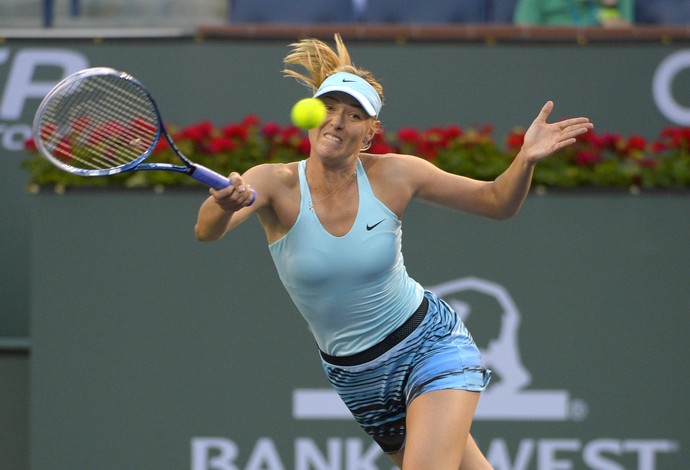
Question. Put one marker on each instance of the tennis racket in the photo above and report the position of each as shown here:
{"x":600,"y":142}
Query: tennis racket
{"x":100,"y":122}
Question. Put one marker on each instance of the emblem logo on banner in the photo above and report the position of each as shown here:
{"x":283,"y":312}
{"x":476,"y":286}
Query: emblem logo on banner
{"x":508,"y":399}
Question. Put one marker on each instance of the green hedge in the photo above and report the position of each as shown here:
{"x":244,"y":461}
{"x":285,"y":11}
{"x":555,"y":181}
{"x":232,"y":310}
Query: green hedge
{"x":604,"y":160}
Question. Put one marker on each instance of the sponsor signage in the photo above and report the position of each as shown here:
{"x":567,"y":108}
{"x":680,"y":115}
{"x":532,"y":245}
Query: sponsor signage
{"x":511,"y":399}
{"x":21,"y":89}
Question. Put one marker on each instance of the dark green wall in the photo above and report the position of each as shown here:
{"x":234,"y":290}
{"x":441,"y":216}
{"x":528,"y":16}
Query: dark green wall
{"x":426,"y":84}
{"x":624,"y":257}
{"x":145,"y":339}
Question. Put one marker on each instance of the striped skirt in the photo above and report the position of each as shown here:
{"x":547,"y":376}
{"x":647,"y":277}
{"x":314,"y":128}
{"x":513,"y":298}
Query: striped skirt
{"x":439,"y":354}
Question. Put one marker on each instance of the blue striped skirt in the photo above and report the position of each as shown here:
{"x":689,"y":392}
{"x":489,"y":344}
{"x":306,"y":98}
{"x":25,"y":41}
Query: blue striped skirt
{"x":439,"y":354}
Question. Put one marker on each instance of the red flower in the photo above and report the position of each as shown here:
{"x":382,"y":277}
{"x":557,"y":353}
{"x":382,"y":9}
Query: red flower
{"x":161,"y":146}
{"x":47,"y":131}
{"x":658,"y":147}
{"x":236,"y":131}
{"x":587,"y":158}
{"x":606,"y":141}
{"x":637,"y":142}
{"x":270,"y":130}
{"x":288,"y":134}
{"x":197,"y":132}
{"x":81,"y":124}
{"x":221,"y":144}
{"x":379,"y":145}
{"x":408,"y":135}
{"x":380,"y":148}
{"x":451,"y":133}
{"x":304,"y":146}
{"x":63,"y":151}
{"x":434,"y":134}
{"x":433,"y":139}
{"x":634,"y":145}
{"x":609,"y":141}
{"x":117,"y":133}
{"x":144,"y":126}
{"x":251,"y":121}
{"x":30,"y":144}
{"x":676,"y":137}
{"x":111,"y":131}
{"x":426,"y":149}
{"x":515,"y":140}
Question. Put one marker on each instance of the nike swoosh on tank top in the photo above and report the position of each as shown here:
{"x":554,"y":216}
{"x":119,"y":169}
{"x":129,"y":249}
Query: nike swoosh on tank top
{"x":352,"y":290}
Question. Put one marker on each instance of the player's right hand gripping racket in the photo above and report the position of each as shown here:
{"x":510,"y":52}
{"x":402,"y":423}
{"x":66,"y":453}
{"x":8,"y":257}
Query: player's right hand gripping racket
{"x":100,"y":122}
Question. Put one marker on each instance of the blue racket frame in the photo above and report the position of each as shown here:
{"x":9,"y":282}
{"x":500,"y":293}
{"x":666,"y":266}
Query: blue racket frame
{"x":200,"y":173}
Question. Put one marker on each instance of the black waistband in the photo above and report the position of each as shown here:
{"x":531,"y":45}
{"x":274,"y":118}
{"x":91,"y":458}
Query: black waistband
{"x":399,"y":334}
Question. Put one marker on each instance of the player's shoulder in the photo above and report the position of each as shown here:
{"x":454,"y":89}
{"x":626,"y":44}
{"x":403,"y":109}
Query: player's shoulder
{"x":275,"y":170}
{"x":390,"y":163}
{"x":274,"y":174}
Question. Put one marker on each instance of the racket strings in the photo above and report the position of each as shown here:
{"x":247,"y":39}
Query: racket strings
{"x":100,"y":122}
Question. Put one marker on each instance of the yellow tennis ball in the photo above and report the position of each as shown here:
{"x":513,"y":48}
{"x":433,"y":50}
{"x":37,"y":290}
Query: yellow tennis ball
{"x":308,"y":113}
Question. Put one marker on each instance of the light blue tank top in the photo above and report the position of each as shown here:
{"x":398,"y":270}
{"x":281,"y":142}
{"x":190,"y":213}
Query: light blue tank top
{"x":352,"y":290}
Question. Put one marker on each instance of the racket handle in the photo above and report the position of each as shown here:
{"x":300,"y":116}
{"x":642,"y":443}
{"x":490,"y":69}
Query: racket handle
{"x":214,"y":180}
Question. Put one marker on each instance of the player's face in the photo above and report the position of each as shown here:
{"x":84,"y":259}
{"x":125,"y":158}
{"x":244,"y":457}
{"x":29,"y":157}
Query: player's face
{"x":345,"y":128}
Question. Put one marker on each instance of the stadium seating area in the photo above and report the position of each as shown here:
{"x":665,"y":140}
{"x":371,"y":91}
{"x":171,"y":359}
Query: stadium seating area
{"x":663,"y":12}
{"x":123,"y":13}
{"x":675,"y":12}
{"x":371,"y":11}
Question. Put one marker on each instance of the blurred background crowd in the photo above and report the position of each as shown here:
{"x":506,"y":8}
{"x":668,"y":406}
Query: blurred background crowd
{"x":151,"y":13}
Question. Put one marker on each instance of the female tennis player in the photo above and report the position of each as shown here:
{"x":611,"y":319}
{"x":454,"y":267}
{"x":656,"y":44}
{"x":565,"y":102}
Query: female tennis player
{"x":400,"y":357}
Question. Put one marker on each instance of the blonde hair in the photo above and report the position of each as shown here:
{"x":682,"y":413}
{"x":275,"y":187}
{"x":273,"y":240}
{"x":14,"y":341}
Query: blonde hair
{"x":321,"y":61}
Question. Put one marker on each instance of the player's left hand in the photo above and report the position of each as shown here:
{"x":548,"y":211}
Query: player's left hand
{"x":543,"y":139}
